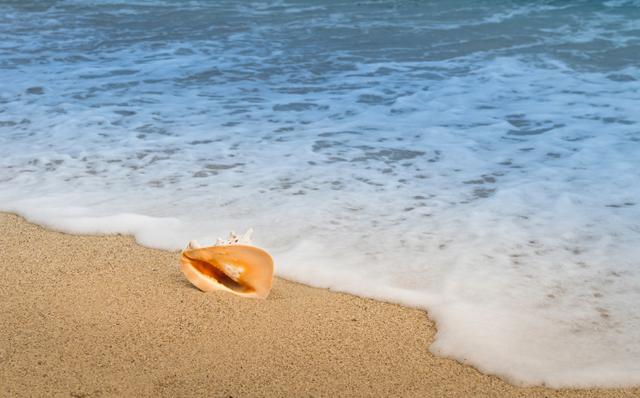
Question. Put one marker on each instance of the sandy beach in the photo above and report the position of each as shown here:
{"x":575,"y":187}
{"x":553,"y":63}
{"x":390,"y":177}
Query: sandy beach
{"x":88,"y":316}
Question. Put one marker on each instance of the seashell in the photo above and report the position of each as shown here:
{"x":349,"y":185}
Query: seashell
{"x":230,"y":265}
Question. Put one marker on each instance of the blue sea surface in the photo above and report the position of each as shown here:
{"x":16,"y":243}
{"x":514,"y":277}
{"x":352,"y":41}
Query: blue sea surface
{"x":476,"y":159}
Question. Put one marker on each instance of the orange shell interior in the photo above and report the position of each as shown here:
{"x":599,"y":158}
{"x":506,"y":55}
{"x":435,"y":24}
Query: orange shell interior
{"x":240,"y":269}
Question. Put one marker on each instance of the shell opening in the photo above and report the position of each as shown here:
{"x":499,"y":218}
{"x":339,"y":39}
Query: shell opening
{"x":220,"y":276}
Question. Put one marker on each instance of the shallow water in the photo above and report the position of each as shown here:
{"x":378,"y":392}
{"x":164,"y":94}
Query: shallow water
{"x":475,"y":159}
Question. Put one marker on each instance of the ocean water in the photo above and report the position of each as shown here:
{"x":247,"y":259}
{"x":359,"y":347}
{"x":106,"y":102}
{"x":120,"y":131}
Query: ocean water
{"x":476,"y":159}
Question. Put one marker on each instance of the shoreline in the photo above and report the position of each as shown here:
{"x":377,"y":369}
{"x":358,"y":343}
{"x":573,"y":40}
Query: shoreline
{"x":102,"y":316}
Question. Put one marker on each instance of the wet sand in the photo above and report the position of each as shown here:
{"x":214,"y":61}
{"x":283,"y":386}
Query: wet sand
{"x":87,"y":316}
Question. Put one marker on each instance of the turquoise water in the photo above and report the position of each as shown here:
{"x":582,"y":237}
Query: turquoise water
{"x":475,"y":159}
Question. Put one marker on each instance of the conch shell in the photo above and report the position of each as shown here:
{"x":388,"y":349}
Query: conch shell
{"x":232,"y":265}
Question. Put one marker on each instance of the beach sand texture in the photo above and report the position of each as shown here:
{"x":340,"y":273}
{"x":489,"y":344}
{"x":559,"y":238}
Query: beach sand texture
{"x":87,"y":316}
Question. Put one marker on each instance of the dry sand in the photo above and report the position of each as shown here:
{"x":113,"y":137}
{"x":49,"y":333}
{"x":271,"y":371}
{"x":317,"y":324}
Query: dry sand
{"x":85,"y":316}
